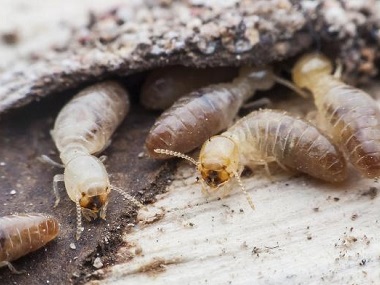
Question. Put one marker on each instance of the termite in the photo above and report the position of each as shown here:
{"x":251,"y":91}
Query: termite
{"x":83,"y":128}
{"x":265,"y":137}
{"x":206,"y":111}
{"x":163,"y":86}
{"x":349,"y":115}
{"x":23,"y":233}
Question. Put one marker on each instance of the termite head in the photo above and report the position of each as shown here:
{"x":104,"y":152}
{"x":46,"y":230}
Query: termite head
{"x":87,"y":183}
{"x":94,"y":205}
{"x":218,"y":161}
{"x":309,"y":66}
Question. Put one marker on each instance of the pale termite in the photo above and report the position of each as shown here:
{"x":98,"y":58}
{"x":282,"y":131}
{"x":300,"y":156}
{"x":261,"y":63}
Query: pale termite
{"x":349,"y":115}
{"x":83,"y":128}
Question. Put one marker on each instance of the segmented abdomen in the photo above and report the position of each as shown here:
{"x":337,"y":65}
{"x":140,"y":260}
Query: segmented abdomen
{"x":353,"y":119}
{"x":266,"y":136}
{"x":91,"y":117}
{"x":193,"y":119}
{"x":24,"y":233}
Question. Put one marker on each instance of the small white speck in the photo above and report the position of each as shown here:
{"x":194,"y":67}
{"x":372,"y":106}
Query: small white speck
{"x":13,"y":192}
{"x":2,"y":163}
{"x":72,"y":246}
{"x":47,"y":281}
{"x":98,"y":263}
{"x":140,"y":155}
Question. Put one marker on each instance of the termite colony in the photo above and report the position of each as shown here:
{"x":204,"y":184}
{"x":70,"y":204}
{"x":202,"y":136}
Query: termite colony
{"x":199,"y":107}
{"x":348,"y":127}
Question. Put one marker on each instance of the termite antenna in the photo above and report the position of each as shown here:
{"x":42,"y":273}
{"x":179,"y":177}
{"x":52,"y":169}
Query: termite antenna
{"x":128,"y":197}
{"x":338,"y":70}
{"x":79,"y":220}
{"x":291,"y":86}
{"x":249,"y":199}
{"x":176,"y":154}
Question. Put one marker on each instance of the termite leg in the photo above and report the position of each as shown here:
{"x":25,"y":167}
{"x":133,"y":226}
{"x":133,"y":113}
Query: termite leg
{"x":312,"y":117}
{"x":204,"y":188}
{"x":79,"y":220}
{"x":267,"y":170}
{"x":103,"y":158}
{"x":11,"y":267}
{"x":227,"y":190}
{"x":262,"y":103}
{"x":338,"y":70}
{"x":57,"y":178}
{"x":103,"y":211}
{"x":46,"y":159}
{"x":283,"y":166}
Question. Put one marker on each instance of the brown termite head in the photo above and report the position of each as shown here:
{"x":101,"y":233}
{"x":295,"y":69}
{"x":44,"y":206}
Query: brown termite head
{"x":218,"y":161}
{"x":91,"y":188}
{"x":310,"y":64}
{"x":218,"y":164}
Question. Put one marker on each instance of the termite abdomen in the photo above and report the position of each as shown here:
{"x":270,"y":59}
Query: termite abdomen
{"x":24,"y":233}
{"x":272,"y":136}
{"x":192,"y":120}
{"x":355,"y":124}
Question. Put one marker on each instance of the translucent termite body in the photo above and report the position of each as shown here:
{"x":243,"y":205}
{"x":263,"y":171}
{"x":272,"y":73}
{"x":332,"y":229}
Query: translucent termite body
{"x":263,"y":137}
{"x":349,"y":115}
{"x":205,"y":112}
{"x":23,"y":233}
{"x":163,"y":86}
{"x":83,"y":128}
